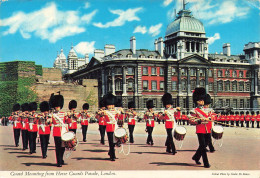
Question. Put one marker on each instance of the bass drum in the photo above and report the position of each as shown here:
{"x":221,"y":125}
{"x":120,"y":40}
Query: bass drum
{"x":217,"y":132}
{"x":69,"y":139}
{"x":179,"y":133}
{"x":121,"y":135}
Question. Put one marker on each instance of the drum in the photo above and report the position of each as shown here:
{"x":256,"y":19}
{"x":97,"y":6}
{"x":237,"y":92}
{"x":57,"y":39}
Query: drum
{"x":179,"y":133}
{"x":217,"y":132}
{"x":69,"y":140}
{"x":120,"y":123}
{"x":121,"y":135}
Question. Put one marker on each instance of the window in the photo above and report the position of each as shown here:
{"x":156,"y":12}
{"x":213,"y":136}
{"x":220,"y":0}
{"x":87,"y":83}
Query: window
{"x":161,"y":71}
{"x":154,"y":85}
{"x":234,"y":86}
{"x":234,"y":73}
{"x":184,"y":103}
{"x":210,"y":86}
{"x":227,"y":85}
{"x":220,"y":73}
{"x":144,"y":103}
{"x":118,"y":84}
{"x":174,"y":86}
{"x":118,"y":70}
{"x":220,"y":101}
{"x":130,"y":85}
{"x":220,"y":86}
{"x":248,"y":88}
{"x":202,"y":83}
{"x":184,"y":85}
{"x":154,"y":71}
{"x":241,"y":86}
{"x":234,"y":103}
{"x":228,"y":102}
{"x":129,"y":56}
{"x":227,"y":73}
{"x":161,"y":85}
{"x":247,"y":103}
{"x":241,"y":103}
{"x":130,"y":71}
{"x":109,"y":85}
{"x":145,"y":70}
{"x":193,"y":72}
{"x":241,"y":74}
{"x":192,"y":85}
{"x":174,"y":71}
{"x":202,"y":72}
{"x":174,"y":105}
{"x":145,"y":85}
{"x":183,"y":72}
{"x":248,"y":74}
{"x":210,"y":73}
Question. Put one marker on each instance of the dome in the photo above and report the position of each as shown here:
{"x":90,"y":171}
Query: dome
{"x":72,"y":53}
{"x":62,"y":56}
{"x":185,"y":22}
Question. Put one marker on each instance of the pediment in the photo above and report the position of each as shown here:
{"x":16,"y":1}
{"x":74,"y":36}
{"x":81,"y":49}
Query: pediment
{"x":93,"y":62}
{"x":194,"y":59}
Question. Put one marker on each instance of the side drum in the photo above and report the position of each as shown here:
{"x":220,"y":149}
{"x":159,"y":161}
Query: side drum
{"x":121,"y":135}
{"x":179,"y":133}
{"x":217,"y":132}
{"x":69,"y":140}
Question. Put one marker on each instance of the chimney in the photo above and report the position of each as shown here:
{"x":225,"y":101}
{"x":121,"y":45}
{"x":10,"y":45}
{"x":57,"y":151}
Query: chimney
{"x":160,"y":45}
{"x":156,"y":45}
{"x":133,"y":44}
{"x":99,"y":53}
{"x":226,"y":49}
{"x":86,"y":58}
{"x":109,"y":49}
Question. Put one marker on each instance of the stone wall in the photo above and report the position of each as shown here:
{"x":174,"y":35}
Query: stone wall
{"x":51,"y":74}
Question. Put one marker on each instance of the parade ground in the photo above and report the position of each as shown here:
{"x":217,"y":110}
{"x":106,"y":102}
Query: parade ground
{"x":239,"y":152}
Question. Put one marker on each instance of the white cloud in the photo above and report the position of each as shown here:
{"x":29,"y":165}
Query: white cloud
{"x":214,"y":12}
{"x":85,"y":47}
{"x":167,"y":2}
{"x":212,"y":39}
{"x":155,"y":30}
{"x":87,"y":5}
{"x":140,"y":29}
{"x":47,"y":23}
{"x":124,"y":16}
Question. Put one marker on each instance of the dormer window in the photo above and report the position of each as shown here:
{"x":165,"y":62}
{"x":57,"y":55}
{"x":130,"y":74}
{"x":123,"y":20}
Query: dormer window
{"x":151,"y":56}
{"x":129,"y":55}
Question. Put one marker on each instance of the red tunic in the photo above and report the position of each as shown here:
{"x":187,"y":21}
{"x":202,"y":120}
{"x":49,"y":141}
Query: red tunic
{"x":101,"y":119}
{"x":25,"y":124}
{"x":149,"y":119}
{"x":57,"y":126}
{"x":232,"y":117}
{"x":237,"y":117}
{"x":44,"y":127}
{"x":131,"y":119}
{"x":72,"y":122}
{"x":16,"y":122}
{"x":253,"y":118}
{"x":203,"y":127}
{"x":33,"y":123}
{"x":169,"y":118}
{"x":227,"y":118}
{"x":258,"y":117}
{"x":242,"y":117}
{"x":84,"y":118}
{"x":111,"y":118}
{"x":247,"y":117}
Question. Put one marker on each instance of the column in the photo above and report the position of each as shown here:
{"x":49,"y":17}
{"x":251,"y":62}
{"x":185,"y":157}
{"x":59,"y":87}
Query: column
{"x":190,"y":47}
{"x":103,"y":81}
{"x":179,"y":81}
{"x":188,"y":82}
{"x":124,"y":80}
{"x":207,"y":80}
{"x":197,"y":78}
{"x":256,"y":82}
{"x":195,"y":47}
{"x":136,"y":81}
{"x":113,"y":81}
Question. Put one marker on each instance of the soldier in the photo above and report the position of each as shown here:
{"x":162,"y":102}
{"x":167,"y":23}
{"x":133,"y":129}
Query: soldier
{"x":25,"y":125}
{"x":170,"y":123}
{"x":131,"y":115}
{"x":101,"y":121}
{"x":242,"y":118}
{"x":84,"y":120}
{"x":203,"y":126}
{"x":15,"y":118}
{"x":59,"y":128}
{"x":72,"y":117}
{"x":232,"y":118}
{"x":253,"y":118}
{"x":247,"y":118}
{"x":33,"y":127}
{"x":44,"y":121}
{"x":257,"y":118}
{"x":237,"y":117}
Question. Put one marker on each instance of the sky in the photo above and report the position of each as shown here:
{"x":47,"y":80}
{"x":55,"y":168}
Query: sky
{"x":36,"y":30}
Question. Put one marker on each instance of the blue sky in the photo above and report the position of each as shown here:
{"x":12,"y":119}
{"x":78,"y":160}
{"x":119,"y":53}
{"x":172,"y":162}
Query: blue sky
{"x":34,"y":30}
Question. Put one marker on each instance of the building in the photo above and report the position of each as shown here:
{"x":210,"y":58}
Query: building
{"x":178,"y":64}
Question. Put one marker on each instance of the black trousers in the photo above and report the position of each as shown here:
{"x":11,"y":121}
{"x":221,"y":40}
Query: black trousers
{"x":131,"y":131}
{"x":111,"y":152}
{"x":32,"y":141}
{"x":201,"y":151}
{"x":232,"y":122}
{"x":237,"y":123}
{"x":227,"y":123}
{"x":170,"y":146}
{"x":253,"y":123}
{"x":257,"y":122}
{"x":25,"y":139}
{"x":44,"y":144}
{"x":242,"y":123}
{"x":247,"y":124}
{"x":73,"y":130}
{"x":211,"y":147}
{"x":84,"y":131}
{"x":59,"y":150}
{"x":150,"y":137}
{"x":16,"y":136}
{"x":102,"y":130}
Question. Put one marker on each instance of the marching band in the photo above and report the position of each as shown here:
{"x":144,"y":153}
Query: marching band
{"x":111,"y":117}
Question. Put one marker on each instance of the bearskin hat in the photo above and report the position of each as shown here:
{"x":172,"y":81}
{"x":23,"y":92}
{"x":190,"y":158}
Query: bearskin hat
{"x":32,"y":106}
{"x":57,"y":101}
{"x":72,"y":104}
{"x":16,"y":107}
{"x":237,"y":112}
{"x":198,"y":94}
{"x":242,"y":112}
{"x":149,"y":104}
{"x":109,"y":99}
{"x":167,"y":99}
{"x":253,"y":112}
{"x":257,"y":112}
{"x":25,"y":107}
{"x":207,"y":99}
{"x":131,"y":104}
{"x":85,"y":106}
{"x":44,"y":106}
{"x":118,"y":103}
{"x":247,"y":112}
{"x":101,"y":103}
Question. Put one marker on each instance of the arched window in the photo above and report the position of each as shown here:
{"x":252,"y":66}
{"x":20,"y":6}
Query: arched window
{"x":234,"y":86}
{"x":192,"y":85}
{"x":241,"y":74}
{"x":234,"y":73}
{"x":118,"y":84}
{"x":184,"y":85}
{"x":220,"y":73}
{"x":248,"y":86}
{"x":241,"y":86}
{"x":220,"y":85}
{"x":193,"y":72}
{"x":227,"y":85}
{"x":227,"y":73}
